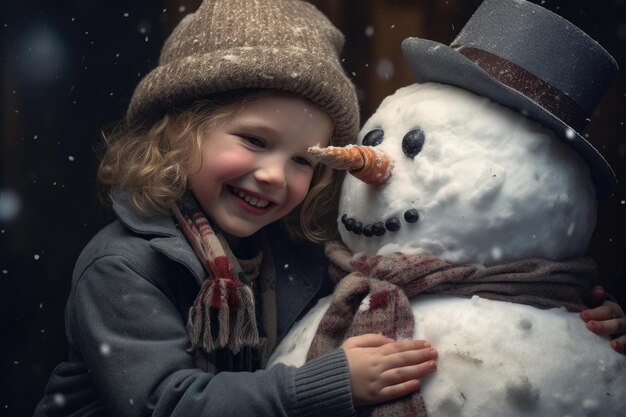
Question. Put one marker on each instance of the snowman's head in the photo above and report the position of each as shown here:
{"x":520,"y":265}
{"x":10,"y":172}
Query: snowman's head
{"x":471,"y":181}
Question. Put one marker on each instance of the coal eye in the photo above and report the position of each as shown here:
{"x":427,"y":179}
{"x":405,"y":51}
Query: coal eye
{"x":412,"y":142}
{"x":374,"y":137}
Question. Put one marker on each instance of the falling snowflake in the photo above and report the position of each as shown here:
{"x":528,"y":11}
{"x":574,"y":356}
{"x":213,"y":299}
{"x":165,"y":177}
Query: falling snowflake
{"x":385,"y":69}
{"x":59,"y":399}
{"x":496,"y":253}
{"x":10,"y":205}
{"x":105,"y":349}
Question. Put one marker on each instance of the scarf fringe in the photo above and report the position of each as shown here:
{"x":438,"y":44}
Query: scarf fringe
{"x":229,"y":306}
{"x":246,"y":328}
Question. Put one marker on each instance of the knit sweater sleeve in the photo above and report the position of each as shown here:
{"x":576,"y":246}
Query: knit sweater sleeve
{"x":323,"y":386}
{"x":133,"y":342}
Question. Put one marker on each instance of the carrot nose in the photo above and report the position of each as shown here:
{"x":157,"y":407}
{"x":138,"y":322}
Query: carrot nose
{"x":371,"y":165}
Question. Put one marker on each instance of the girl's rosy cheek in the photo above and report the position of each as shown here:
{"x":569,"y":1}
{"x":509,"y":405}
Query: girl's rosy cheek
{"x":303,"y":187}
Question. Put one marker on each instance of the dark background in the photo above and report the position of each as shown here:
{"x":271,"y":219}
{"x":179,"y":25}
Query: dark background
{"x":68,"y":70}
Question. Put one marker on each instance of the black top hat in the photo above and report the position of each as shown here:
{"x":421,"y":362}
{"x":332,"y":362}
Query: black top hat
{"x":529,"y":59}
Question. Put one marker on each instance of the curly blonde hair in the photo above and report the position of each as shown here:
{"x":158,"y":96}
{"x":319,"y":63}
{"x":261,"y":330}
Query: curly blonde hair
{"x":151,"y":163}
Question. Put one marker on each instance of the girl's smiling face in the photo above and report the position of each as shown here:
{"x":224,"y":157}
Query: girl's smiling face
{"x":254,"y":168}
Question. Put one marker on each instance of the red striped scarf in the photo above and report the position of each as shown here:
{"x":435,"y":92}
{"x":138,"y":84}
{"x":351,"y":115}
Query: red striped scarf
{"x":222,"y":316}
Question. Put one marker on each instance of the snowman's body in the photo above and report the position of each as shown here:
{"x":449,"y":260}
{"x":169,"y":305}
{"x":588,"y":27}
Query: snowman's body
{"x":501,"y":359}
{"x":490,"y":186}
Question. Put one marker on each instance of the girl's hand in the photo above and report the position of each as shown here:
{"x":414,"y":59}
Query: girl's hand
{"x":607,"y":319}
{"x":382,"y":369}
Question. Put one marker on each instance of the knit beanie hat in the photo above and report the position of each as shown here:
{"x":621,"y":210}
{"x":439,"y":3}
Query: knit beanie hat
{"x":233,"y":44}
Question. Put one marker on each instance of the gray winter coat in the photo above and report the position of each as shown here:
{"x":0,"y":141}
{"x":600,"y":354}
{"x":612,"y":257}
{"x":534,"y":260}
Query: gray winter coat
{"x":125,"y":321}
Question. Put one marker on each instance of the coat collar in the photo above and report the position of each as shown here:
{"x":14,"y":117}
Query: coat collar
{"x":161,"y":231}
{"x":133,"y":219}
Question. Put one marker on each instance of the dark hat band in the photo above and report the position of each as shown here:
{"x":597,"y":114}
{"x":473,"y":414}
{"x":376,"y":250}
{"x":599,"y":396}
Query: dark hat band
{"x":540,"y":91}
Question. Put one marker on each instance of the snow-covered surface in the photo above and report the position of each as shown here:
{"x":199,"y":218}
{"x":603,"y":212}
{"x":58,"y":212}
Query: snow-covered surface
{"x":501,"y":359}
{"x":489,"y":184}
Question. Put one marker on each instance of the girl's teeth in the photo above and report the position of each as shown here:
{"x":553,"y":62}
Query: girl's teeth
{"x":253,"y":201}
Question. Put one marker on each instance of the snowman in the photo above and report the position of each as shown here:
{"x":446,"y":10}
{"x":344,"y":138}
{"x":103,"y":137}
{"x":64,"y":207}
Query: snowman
{"x":471,"y":203}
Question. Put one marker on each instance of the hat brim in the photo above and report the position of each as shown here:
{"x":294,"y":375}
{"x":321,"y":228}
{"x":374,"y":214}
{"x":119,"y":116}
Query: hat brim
{"x":436,"y":62}
{"x":247,"y":67}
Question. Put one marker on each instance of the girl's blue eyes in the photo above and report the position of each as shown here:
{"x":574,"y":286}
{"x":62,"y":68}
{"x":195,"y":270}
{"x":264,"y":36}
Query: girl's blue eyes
{"x":254,"y":141}
{"x":258,"y":143}
{"x":302,"y":161}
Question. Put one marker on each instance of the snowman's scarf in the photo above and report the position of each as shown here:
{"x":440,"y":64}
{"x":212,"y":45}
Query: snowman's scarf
{"x":389,"y":281}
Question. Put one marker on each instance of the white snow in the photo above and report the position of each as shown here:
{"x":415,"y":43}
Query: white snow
{"x":501,"y":359}
{"x":490,"y":186}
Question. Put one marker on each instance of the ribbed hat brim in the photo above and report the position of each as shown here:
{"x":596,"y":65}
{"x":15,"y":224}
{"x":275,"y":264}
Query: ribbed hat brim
{"x":202,"y":75}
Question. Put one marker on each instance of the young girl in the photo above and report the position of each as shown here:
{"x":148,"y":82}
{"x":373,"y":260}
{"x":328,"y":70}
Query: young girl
{"x":175,"y":307}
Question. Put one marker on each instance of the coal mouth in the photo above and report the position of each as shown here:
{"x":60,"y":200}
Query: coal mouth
{"x":392,"y":224}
